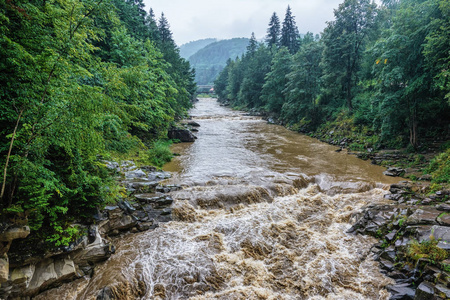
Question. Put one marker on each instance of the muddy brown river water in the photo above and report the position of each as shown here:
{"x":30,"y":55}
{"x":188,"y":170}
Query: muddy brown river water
{"x":263,"y":215}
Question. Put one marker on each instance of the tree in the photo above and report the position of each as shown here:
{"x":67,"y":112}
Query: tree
{"x":272,"y":94}
{"x":255,"y":68}
{"x":273,"y":32}
{"x":344,"y":40}
{"x":289,"y":33}
{"x":303,"y":84}
{"x":252,"y":45}
{"x":405,"y":96}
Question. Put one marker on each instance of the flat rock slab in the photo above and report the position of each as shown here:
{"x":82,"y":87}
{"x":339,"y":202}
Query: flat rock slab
{"x":424,"y":216}
{"x":444,"y":219}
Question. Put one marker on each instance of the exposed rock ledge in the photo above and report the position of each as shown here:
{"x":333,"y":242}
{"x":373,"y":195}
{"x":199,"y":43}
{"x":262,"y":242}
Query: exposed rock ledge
{"x":25,"y":275}
{"x":411,"y":218}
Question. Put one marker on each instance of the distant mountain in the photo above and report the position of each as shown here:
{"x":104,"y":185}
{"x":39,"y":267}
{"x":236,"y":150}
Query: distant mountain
{"x":188,"y":49}
{"x":210,"y":60}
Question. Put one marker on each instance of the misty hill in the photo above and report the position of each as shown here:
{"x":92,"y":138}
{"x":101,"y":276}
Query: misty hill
{"x":210,"y":60}
{"x":188,"y":49}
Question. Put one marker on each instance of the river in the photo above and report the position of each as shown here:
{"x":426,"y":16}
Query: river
{"x":263,"y":215}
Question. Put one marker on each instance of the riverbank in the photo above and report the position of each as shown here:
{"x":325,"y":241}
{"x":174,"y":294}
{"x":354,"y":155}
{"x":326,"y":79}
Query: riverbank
{"x":31,"y":267}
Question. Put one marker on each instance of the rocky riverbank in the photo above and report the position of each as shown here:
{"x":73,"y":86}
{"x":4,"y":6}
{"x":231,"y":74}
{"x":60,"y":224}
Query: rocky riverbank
{"x":414,"y":233}
{"x":30,"y":269}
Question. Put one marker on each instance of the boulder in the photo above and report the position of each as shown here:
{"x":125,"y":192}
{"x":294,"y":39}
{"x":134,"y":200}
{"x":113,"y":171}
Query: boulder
{"x":13,"y":233}
{"x":425,"y":291}
{"x":193,"y":123}
{"x":401,"y":291}
{"x":442,"y":291}
{"x":49,"y":273}
{"x":425,"y":216}
{"x":98,"y":250}
{"x":23,"y":274}
{"x":135,"y":174}
{"x":183,"y":135}
{"x":394,"y":172}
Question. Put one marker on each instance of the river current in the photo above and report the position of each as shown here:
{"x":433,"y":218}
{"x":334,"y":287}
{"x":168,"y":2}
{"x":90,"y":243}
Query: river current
{"x":263,"y":214}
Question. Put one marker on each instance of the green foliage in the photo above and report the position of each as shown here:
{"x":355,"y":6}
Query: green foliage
{"x":426,"y":249}
{"x":439,"y":168}
{"x":160,"y":153}
{"x":79,"y":79}
{"x":388,"y":66}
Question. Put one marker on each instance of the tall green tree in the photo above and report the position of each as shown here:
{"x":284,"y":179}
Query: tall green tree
{"x":272,"y":94}
{"x":405,"y":96}
{"x":303,"y":85}
{"x":256,"y":66}
{"x":273,"y":32}
{"x":344,"y":40}
{"x":289,"y":32}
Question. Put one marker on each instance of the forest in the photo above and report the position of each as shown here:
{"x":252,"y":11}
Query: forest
{"x":82,"y":82}
{"x":380,"y":71}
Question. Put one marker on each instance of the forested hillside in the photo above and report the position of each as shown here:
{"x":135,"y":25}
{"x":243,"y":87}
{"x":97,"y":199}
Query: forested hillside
{"x":81,"y":81}
{"x":188,"y":49}
{"x":380,"y":73}
{"x":209,"y":61}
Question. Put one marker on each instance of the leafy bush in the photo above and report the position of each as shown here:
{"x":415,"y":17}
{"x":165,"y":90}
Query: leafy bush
{"x":439,"y":168}
{"x":426,"y":249}
{"x":160,"y":153}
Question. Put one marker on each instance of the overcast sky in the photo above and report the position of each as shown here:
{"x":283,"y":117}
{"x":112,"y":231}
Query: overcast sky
{"x":192,"y":20}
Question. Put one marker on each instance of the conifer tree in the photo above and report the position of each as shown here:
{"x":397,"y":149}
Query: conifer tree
{"x":252,"y":45}
{"x":289,"y":32}
{"x":150,"y":21}
{"x":164,"y":30}
{"x":273,"y":32}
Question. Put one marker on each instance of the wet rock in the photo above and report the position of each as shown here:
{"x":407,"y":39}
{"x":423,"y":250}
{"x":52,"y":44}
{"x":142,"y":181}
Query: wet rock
{"x":105,"y":294}
{"x":144,"y":226}
{"x":96,"y":251}
{"x":442,"y":291}
{"x":425,"y":291}
{"x":386,"y":265}
{"x":50,"y":273}
{"x":135,"y":174}
{"x":183,"y":135}
{"x":425,"y":216}
{"x":141,"y":186}
{"x":393,"y":171}
{"x":401,"y":291}
{"x":389,"y":254}
{"x":440,"y":233}
{"x":443,"y":207}
{"x":14,"y":233}
{"x":444,"y":219}
{"x":390,"y":236}
{"x":23,"y":274}
{"x":124,"y":205}
{"x":193,"y":123}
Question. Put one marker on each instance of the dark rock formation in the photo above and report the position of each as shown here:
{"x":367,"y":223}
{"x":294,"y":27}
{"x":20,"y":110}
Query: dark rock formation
{"x":183,"y":135}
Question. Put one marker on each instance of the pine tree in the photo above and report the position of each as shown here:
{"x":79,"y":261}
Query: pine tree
{"x":150,"y":21}
{"x":252,"y":45}
{"x":273,"y":32}
{"x":289,"y":33}
{"x":164,"y":30}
